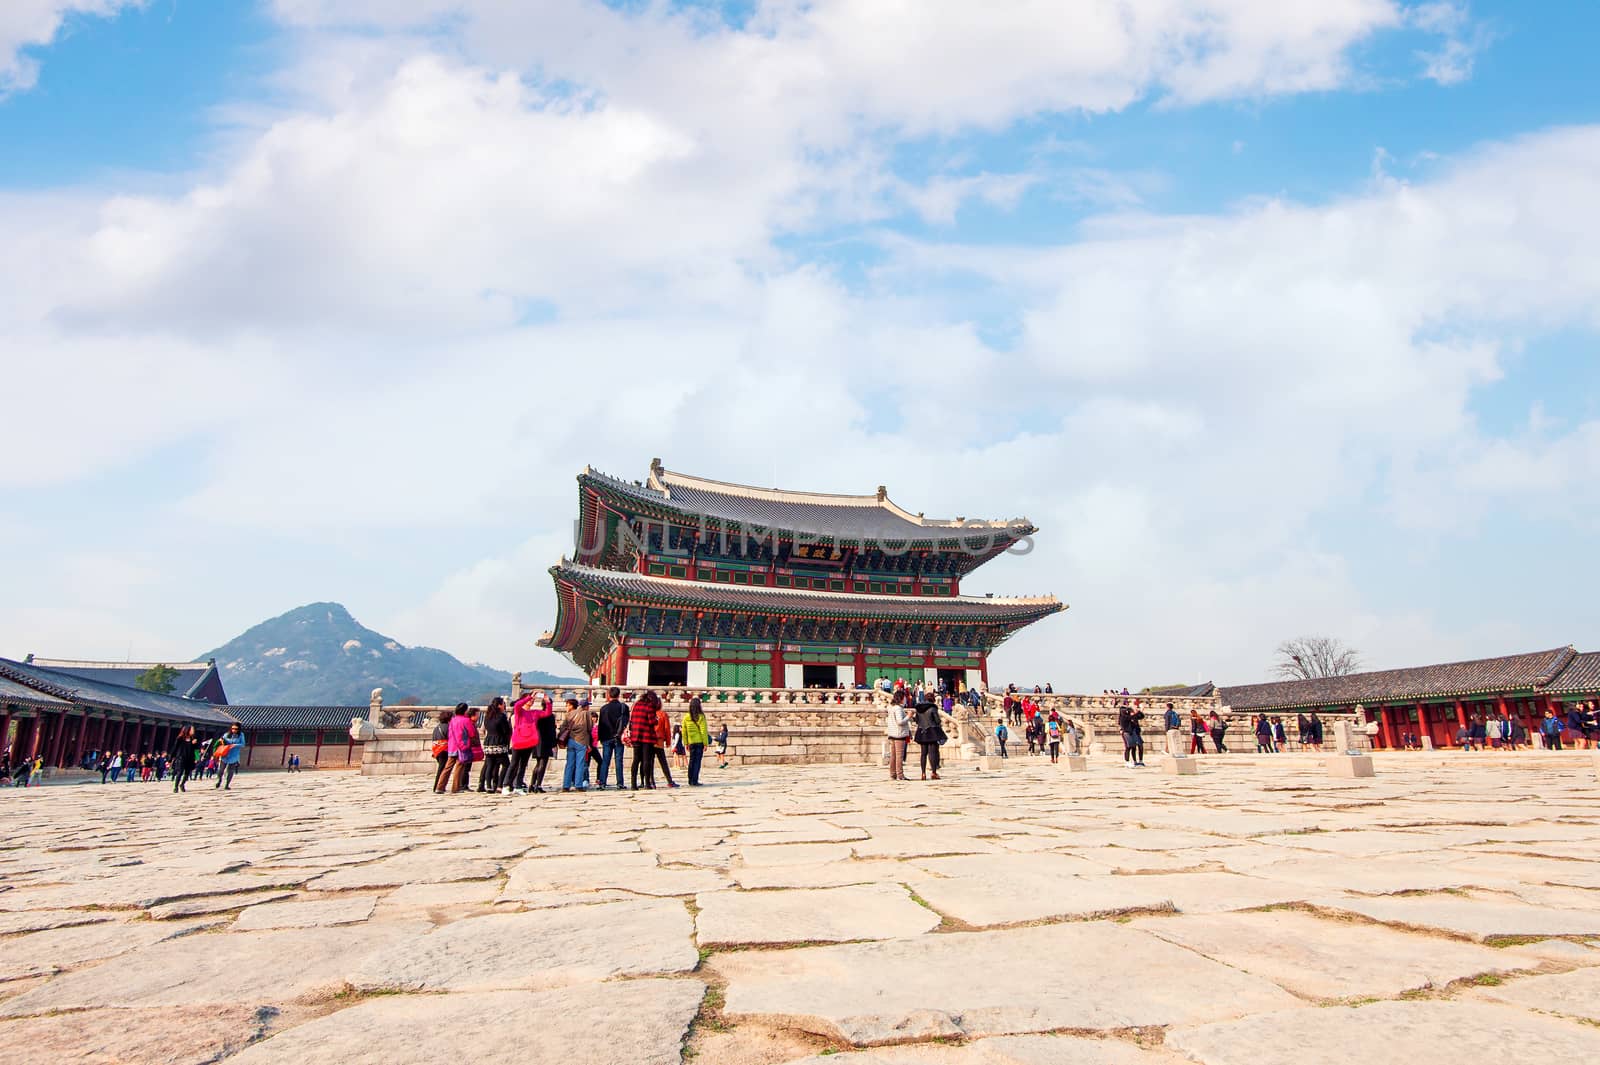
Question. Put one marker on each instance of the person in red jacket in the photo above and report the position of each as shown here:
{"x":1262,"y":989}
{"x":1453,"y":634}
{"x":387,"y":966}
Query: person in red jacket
{"x":642,"y":734}
{"x":663,"y":741}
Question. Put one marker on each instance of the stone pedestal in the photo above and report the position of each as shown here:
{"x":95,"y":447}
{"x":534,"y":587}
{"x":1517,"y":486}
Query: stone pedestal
{"x":1179,"y":765}
{"x":991,"y":762}
{"x":1077,"y":763}
{"x":1350,"y":765}
{"x":1427,"y":743}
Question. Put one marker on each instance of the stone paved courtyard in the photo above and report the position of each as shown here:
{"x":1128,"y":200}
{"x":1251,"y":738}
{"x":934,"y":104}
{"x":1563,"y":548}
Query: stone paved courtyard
{"x":1447,"y":911}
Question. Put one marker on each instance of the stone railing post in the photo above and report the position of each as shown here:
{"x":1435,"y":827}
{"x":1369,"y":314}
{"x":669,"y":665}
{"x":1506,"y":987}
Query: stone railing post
{"x":362,"y":730}
{"x":516,"y":686}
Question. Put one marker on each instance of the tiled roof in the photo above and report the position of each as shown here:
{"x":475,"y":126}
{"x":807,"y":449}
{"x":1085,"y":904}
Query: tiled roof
{"x":642,"y":589}
{"x":296,"y":717}
{"x":1508,"y":673}
{"x":191,"y":678}
{"x":1183,"y":691}
{"x":1582,"y":674}
{"x":844,"y":517}
{"x":20,"y":694}
{"x":99,"y":694}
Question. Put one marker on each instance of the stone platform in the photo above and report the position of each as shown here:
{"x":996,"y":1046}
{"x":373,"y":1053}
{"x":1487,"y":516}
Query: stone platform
{"x":1261,"y":912}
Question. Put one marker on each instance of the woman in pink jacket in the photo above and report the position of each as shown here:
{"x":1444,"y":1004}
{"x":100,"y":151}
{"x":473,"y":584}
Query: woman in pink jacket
{"x":463,"y":738}
{"x":524,"y":738}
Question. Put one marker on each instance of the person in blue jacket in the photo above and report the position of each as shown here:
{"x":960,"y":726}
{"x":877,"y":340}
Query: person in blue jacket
{"x":228,"y":762}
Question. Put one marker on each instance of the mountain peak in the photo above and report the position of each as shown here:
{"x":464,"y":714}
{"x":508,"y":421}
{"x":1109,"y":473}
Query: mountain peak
{"x":319,"y":654}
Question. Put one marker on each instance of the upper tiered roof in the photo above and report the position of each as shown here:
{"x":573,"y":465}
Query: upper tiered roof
{"x":841,"y":518}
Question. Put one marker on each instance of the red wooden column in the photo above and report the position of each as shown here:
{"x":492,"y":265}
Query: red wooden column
{"x":5,"y":732}
{"x":58,"y":739}
{"x":81,"y":746}
{"x":315,"y":755}
{"x":1461,"y":714}
{"x":138,"y":737}
{"x":22,"y":744}
{"x":122,"y":728}
{"x":776,"y":667}
{"x":1390,"y":733}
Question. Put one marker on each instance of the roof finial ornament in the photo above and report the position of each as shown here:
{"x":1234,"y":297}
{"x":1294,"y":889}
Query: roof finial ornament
{"x":656,"y":467}
{"x":883,"y":493}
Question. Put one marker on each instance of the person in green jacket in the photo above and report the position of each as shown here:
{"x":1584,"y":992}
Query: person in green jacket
{"x":696,"y":734}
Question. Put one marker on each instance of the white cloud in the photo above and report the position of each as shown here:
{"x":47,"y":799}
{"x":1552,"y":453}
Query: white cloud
{"x":1461,"y":40}
{"x":29,"y":24}
{"x":423,"y":294}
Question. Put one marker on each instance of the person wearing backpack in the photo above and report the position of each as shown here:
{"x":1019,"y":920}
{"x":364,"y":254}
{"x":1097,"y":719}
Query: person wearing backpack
{"x":577,"y":732}
{"x":1001,"y":734}
{"x":1053,"y":736}
{"x":930,"y":734}
{"x":441,"y":747}
{"x":1550,"y":728}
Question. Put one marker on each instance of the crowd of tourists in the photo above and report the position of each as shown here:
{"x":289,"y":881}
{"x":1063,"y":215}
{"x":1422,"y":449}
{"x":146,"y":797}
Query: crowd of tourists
{"x":191,"y":757}
{"x":512,"y":746}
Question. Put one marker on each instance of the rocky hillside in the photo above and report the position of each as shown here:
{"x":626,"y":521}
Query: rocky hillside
{"x":318,"y":654}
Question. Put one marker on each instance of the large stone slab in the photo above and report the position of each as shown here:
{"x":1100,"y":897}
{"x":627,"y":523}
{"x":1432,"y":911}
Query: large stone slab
{"x":310,"y":913}
{"x":251,"y":968}
{"x":1574,"y":994}
{"x":209,"y":904}
{"x":43,"y":920}
{"x":1471,"y":916}
{"x":989,"y":983}
{"x":52,"y":951}
{"x":1355,"y":844}
{"x":794,"y":854}
{"x":136,"y":888}
{"x":639,"y":1022}
{"x":1007,"y":1050}
{"x":412,"y":867}
{"x":1371,"y":876}
{"x":832,"y":874}
{"x":145,"y":1036}
{"x":537,"y":949}
{"x":1321,"y":958}
{"x":914,"y":841}
{"x":639,"y":873}
{"x":824,"y":915}
{"x":1417,"y":1033}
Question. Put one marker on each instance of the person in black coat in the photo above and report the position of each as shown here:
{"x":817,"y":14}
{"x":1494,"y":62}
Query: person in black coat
{"x":929,"y":735}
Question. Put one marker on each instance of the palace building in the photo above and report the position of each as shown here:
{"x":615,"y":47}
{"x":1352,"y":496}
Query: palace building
{"x":679,"y":580}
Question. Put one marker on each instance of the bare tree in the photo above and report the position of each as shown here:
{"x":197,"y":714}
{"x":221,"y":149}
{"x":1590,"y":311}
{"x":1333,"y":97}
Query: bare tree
{"x":1310,"y":657}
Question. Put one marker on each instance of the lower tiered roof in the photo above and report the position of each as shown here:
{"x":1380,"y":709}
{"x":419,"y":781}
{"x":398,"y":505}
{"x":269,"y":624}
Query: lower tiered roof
{"x":579,"y":587}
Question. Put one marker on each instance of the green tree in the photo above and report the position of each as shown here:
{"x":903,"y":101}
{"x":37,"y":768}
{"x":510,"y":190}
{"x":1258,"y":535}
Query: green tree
{"x":158,"y":678}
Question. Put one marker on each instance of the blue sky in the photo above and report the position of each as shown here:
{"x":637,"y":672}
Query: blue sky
{"x":1277,"y":321}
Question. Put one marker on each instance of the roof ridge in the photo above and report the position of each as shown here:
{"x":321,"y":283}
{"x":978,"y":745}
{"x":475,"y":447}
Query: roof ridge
{"x":1402,"y":669}
{"x":666,"y":478}
{"x":88,"y":663}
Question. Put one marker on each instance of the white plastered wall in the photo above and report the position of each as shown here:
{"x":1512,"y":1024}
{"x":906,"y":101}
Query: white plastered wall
{"x":638,"y":673}
{"x":698,"y":674}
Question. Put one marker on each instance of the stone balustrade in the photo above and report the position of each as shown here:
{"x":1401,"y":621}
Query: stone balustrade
{"x":795,"y":725}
